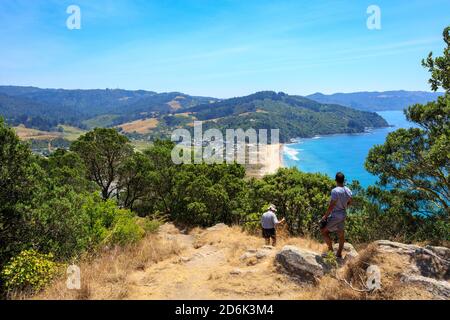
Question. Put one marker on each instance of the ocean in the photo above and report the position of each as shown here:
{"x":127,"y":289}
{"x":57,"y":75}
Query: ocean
{"x":343,"y":152}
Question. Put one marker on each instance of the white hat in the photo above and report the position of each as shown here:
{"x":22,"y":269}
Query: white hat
{"x":272,"y":207}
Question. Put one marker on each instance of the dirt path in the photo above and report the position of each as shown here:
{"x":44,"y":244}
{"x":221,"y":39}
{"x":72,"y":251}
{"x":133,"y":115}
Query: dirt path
{"x":215,"y":263}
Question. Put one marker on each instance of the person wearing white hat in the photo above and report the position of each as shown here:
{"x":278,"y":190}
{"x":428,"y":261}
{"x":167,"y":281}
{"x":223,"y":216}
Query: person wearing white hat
{"x":269,"y":221}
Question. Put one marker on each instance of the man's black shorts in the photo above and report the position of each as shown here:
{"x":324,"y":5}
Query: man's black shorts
{"x":268,"y":233}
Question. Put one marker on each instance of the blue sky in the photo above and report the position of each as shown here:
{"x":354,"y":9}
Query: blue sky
{"x":220,"y":48}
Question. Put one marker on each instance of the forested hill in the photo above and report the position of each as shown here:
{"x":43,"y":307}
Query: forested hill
{"x":377,"y":101}
{"x":295,"y":116}
{"x":75,"y":106}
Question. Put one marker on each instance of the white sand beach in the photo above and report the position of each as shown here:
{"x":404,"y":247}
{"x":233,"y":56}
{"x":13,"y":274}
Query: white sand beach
{"x":271,"y":158}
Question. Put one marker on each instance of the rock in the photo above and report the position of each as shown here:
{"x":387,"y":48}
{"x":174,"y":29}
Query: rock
{"x":268,"y":247}
{"x":396,"y":247}
{"x":349,"y":251}
{"x":238,"y":271}
{"x":260,"y":254}
{"x":440,"y":289}
{"x":256,"y":253}
{"x":424,"y":261}
{"x":442,"y":252}
{"x":217,"y":227}
{"x":304,"y":264}
{"x":247,"y":255}
{"x":185,"y":259}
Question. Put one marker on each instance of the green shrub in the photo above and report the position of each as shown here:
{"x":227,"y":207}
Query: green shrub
{"x":126,"y":229}
{"x":330,"y":260}
{"x":149,"y":225}
{"x":102,"y":215}
{"x":252,"y":223}
{"x":29,"y":270}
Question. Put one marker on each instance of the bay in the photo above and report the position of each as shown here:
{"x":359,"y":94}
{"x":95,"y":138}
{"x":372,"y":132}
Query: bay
{"x":344,"y":152}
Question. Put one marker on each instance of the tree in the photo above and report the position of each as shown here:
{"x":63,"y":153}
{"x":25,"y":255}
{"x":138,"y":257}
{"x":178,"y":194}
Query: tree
{"x":103,"y":151}
{"x":17,"y":166}
{"x":163,"y":170}
{"x":135,"y":179}
{"x":300,"y":197}
{"x":418,"y":159}
{"x":65,"y":167}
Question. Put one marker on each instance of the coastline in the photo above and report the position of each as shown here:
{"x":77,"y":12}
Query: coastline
{"x":272,"y":159}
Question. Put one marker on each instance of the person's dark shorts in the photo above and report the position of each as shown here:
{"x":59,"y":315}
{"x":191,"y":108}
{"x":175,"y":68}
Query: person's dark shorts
{"x":335,"y":223}
{"x":268,"y":233}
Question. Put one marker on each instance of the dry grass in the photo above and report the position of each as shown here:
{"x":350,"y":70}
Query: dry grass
{"x":332,"y":287}
{"x":201,"y":264}
{"x":174,"y":105}
{"x":259,"y":279}
{"x":105,"y":277}
{"x":34,"y":134}
{"x":140,"y":126}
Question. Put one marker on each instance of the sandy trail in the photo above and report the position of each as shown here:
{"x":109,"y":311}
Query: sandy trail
{"x":210,"y":266}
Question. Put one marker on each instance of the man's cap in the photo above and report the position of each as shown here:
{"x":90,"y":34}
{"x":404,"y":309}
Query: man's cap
{"x":272,"y":207}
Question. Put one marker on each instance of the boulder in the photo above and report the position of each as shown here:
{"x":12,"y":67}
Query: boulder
{"x":427,"y":262}
{"x":218,"y":227}
{"x":442,"y":252}
{"x":439,"y":289}
{"x":256,"y":253}
{"x":262,"y":253}
{"x":348,"y":252}
{"x":305,"y":264}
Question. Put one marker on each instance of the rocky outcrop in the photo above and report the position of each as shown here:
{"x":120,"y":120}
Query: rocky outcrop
{"x":428,"y":262}
{"x":348,"y":252}
{"x":439,"y":289}
{"x":218,"y":227}
{"x":305,"y":264}
{"x":257,"y":253}
{"x":442,"y":252}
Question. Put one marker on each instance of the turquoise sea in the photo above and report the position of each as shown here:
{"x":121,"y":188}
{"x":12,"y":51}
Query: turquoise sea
{"x":343,"y":152}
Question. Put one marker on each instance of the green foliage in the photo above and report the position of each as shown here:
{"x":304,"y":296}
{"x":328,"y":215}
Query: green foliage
{"x":439,"y":67}
{"x":150,"y":225}
{"x":18,"y":177}
{"x":208,"y":194}
{"x":301,"y":198}
{"x":125,"y":229}
{"x":66,"y":168}
{"x":135,"y":179}
{"x":103,"y":151}
{"x":330,"y":260}
{"x":29,"y":270}
{"x":252,"y":222}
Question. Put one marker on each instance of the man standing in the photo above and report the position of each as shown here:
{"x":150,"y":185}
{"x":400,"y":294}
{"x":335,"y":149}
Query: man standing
{"x":334,"y":218}
{"x":269,"y":222}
